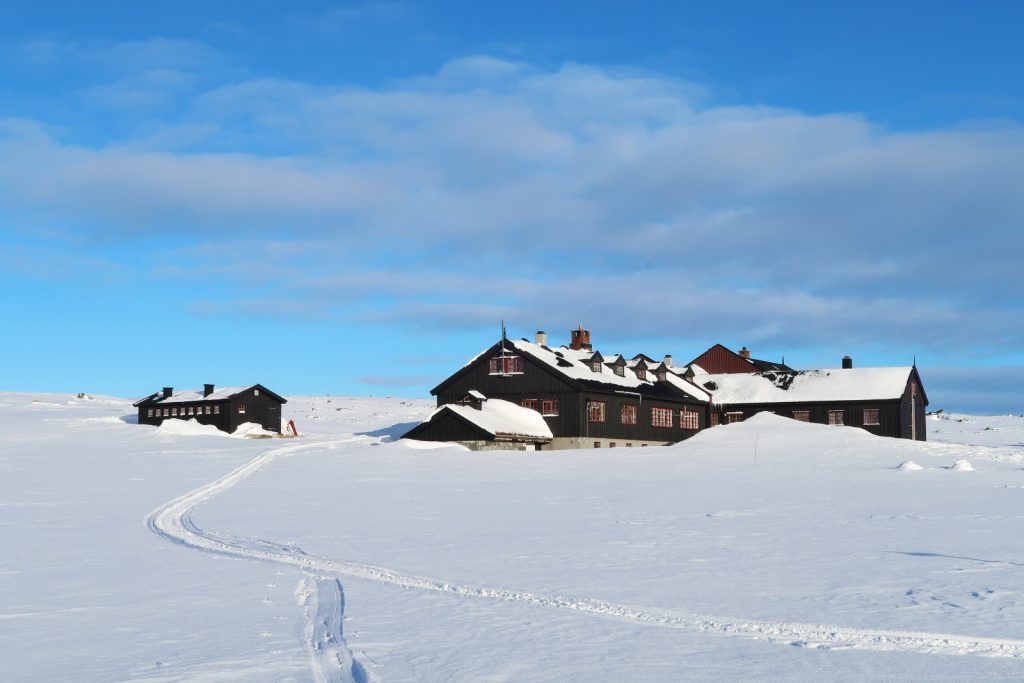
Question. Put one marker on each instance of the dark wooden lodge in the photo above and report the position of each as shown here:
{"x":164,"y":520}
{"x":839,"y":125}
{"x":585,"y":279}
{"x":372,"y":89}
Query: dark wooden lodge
{"x":225,"y":408}
{"x":887,"y":401}
{"x":587,"y":399}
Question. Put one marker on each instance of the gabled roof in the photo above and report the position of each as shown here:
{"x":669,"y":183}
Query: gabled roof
{"x":574,"y":367}
{"x":503,"y":420}
{"x":811,"y":386}
{"x":189,"y":396}
{"x":739,"y":363}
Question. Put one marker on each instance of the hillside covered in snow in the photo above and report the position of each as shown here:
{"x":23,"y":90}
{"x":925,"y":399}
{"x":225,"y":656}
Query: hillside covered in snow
{"x":764,"y":550}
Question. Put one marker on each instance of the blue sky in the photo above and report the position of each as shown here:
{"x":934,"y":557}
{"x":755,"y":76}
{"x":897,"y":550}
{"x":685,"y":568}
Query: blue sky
{"x":349,"y":198}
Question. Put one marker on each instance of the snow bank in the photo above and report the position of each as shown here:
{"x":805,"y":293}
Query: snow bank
{"x":909,"y":466}
{"x":962,"y":466}
{"x":177,"y":427}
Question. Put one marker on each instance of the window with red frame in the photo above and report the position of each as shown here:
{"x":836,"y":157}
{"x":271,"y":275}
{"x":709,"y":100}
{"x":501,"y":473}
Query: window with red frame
{"x":688,"y":419}
{"x":596,"y":411}
{"x":549,"y":407}
{"x":530,"y":403}
{"x":505,"y":365}
{"x":661,"y":417}
{"x":628,"y":414}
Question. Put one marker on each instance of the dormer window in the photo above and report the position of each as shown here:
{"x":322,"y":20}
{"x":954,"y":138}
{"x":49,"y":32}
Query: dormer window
{"x":596,"y":366}
{"x":641,"y":373}
{"x":620,"y":370}
{"x":662,"y":376}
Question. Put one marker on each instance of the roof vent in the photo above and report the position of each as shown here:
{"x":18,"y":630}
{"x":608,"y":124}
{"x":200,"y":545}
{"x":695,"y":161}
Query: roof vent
{"x":847,"y":363}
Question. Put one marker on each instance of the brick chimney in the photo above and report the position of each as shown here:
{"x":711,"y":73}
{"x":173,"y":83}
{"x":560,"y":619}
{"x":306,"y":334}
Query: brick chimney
{"x":580,"y":339}
{"x":207,"y":389}
{"x":168,"y":391}
{"x":847,"y":363}
{"x":542,"y":338}
{"x":745,"y":352}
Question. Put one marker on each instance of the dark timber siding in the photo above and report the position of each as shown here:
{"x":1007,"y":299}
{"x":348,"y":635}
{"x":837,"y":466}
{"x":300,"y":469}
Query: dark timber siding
{"x":612,"y":428}
{"x":889,"y":413}
{"x":540,"y":383}
{"x":263,"y":409}
{"x":536,"y":382}
{"x":446,"y":426}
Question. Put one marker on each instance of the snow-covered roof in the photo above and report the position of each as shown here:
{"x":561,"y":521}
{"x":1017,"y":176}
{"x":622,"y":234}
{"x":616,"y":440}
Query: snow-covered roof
{"x":189,"y":396}
{"x":573,"y":363}
{"x":852,"y":384}
{"x":501,"y":418}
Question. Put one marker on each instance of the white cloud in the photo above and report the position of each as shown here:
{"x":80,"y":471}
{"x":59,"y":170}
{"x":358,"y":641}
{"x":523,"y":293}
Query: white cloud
{"x":495,"y":189}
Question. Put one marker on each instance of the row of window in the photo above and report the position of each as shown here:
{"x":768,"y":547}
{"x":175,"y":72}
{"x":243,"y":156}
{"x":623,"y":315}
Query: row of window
{"x":612,"y":444}
{"x":835,"y":417}
{"x":597,"y":412}
{"x":186,"y":411}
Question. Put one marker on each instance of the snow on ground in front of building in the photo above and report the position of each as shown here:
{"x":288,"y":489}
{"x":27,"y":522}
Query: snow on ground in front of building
{"x":765,"y":550}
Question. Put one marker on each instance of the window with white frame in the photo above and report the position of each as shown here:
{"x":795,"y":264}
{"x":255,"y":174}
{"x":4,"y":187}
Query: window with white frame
{"x":207,"y":410}
{"x":191,"y":410}
{"x":255,"y":392}
{"x":871,"y":416}
{"x":629,"y":413}
{"x":150,"y":414}
{"x":661,"y":417}
{"x":835,"y":417}
{"x":174,"y":412}
{"x":505,"y":365}
{"x":689,"y":419}
{"x":620,"y":370}
{"x":216,"y":410}
{"x":166,"y":412}
{"x":641,"y":373}
{"x":595,"y":411}
{"x":802,"y":415}
{"x":596,"y":366}
{"x":549,"y":407}
{"x":736,"y":416}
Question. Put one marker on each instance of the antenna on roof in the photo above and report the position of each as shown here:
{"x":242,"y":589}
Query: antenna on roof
{"x":915,"y":360}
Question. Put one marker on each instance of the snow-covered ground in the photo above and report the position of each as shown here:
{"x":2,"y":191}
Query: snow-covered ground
{"x":766,"y":550}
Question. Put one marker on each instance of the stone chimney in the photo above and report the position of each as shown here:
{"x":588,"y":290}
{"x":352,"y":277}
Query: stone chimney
{"x":847,"y":363}
{"x":668,"y":360}
{"x":580,"y":339}
{"x":207,"y":389}
{"x":168,"y":391}
{"x":542,"y":338}
{"x":745,"y":352}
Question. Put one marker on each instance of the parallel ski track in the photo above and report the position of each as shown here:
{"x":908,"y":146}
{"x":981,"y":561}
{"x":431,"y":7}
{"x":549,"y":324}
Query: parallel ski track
{"x":173,"y":521}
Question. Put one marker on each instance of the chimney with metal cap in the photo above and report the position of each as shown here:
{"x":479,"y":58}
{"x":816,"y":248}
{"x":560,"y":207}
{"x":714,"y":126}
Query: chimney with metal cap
{"x":168,"y":391}
{"x":542,"y":338}
{"x":847,"y":363}
{"x":745,"y":352}
{"x":668,"y":360}
{"x":207,"y":389}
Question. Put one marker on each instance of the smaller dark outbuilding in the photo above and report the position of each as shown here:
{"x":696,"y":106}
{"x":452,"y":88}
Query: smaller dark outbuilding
{"x":225,"y":408}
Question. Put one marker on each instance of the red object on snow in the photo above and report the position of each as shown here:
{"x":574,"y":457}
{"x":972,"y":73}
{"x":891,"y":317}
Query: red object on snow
{"x":291,"y":425}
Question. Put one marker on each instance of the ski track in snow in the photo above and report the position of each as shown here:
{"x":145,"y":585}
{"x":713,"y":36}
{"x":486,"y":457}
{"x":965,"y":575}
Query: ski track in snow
{"x":332,"y":661}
